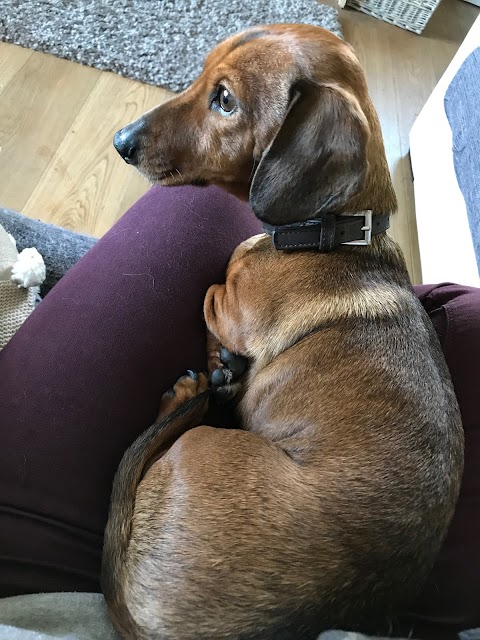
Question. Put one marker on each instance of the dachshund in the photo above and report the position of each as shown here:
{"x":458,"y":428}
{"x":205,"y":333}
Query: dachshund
{"x":326,"y":509}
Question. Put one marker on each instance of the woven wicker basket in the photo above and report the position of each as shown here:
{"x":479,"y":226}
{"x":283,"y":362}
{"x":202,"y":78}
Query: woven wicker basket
{"x":407,"y":14}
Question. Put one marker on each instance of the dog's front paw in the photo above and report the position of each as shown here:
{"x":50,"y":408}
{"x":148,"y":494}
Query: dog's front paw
{"x":225,"y":380}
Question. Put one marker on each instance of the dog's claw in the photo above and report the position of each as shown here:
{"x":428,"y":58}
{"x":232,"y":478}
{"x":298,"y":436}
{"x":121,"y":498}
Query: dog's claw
{"x":193,"y":375}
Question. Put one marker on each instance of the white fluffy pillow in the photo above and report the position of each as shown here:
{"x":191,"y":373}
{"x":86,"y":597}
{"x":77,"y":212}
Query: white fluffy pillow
{"x":20,"y":275}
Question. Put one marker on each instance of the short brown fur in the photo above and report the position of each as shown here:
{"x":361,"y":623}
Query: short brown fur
{"x":328,"y":507}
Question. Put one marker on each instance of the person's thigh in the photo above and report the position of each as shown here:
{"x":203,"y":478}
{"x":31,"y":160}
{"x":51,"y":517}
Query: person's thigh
{"x":450,"y":600}
{"x":84,"y":376}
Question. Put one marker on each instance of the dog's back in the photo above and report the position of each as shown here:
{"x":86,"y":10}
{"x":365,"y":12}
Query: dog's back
{"x":359,"y":396}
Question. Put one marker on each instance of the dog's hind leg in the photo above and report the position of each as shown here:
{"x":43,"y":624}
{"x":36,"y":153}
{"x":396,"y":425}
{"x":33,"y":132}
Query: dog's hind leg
{"x":181,"y":409}
{"x":186,"y":388}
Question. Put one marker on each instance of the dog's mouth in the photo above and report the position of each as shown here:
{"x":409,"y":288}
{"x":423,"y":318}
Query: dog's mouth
{"x":174,"y":176}
{"x":170,"y":176}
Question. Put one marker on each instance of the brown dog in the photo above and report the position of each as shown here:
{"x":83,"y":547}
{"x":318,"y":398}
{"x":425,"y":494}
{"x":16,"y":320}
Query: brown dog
{"x":328,"y":507}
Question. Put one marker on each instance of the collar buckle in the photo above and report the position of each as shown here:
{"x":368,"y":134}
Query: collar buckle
{"x":367,"y":229}
{"x":275,"y":238}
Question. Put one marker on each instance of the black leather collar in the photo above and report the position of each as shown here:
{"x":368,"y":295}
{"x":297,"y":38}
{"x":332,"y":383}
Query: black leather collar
{"x":328,"y":231}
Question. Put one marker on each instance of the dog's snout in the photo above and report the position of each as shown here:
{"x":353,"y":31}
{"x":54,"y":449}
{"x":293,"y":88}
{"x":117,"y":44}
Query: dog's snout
{"x":126,"y":145}
{"x":127,"y":141}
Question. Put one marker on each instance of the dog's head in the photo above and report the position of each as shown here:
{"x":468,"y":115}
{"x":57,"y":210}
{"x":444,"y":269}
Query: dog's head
{"x":281,"y":116}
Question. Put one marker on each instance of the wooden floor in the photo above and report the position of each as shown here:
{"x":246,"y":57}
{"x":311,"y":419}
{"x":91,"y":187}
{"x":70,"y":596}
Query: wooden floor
{"x":57,"y":121}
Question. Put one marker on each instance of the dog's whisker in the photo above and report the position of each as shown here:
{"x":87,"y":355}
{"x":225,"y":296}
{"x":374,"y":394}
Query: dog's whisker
{"x":252,"y":172}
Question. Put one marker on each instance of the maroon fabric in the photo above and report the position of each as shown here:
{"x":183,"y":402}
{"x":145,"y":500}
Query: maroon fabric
{"x":451,"y":600}
{"x":84,"y":375}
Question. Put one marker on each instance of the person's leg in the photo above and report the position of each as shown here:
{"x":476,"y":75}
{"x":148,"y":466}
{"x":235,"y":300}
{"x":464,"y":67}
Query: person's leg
{"x":84,"y":375}
{"x":450,"y":601}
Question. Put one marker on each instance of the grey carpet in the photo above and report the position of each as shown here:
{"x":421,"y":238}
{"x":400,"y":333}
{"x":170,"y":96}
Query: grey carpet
{"x":462,"y":106}
{"x":161,"y":42}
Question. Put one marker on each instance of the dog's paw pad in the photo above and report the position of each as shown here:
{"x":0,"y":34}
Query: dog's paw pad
{"x":234,"y":363}
{"x":232,"y":366}
{"x":188,"y":386}
{"x":224,"y":380}
{"x":221,"y":377}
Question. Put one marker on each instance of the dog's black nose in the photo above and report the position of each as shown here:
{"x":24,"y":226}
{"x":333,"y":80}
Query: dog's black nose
{"x":127,"y":141}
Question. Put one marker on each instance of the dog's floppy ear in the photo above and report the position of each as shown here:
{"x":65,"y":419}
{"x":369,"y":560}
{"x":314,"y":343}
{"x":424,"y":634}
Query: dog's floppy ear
{"x":317,"y":160}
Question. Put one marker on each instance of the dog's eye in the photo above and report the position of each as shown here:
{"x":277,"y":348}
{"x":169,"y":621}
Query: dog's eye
{"x":223,"y":101}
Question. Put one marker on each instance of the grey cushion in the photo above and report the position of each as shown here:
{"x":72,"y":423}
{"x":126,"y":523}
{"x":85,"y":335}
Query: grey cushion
{"x":462,"y":106}
{"x":60,"y":248}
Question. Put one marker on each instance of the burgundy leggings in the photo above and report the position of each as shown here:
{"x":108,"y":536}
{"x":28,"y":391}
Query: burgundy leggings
{"x":83,"y":377}
{"x":85,"y":373}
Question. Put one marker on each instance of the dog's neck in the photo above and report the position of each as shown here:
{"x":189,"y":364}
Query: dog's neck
{"x":355,"y":285}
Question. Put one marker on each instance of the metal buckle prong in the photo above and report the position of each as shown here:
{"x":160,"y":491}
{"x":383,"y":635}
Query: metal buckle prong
{"x":274,"y":238}
{"x":367,"y":228}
